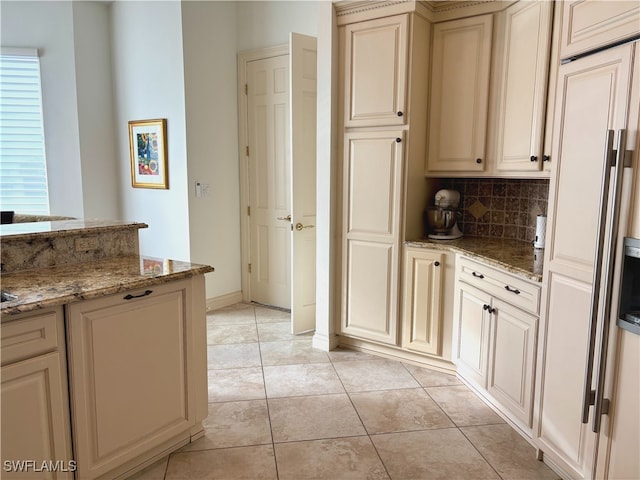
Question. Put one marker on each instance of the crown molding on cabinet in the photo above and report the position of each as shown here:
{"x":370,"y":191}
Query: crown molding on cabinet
{"x":350,"y":11}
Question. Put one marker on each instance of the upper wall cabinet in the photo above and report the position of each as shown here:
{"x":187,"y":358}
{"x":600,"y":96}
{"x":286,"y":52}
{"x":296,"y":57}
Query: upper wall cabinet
{"x":376,"y":68}
{"x":459,"y":94}
{"x":591,"y":24}
{"x":520,"y":112}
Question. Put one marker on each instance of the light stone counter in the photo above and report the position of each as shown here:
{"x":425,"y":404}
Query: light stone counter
{"x":45,"y":244}
{"x":61,"y":284}
{"x":514,"y":256}
{"x":46,"y":264}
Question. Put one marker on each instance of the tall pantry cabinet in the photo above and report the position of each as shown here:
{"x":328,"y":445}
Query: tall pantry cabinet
{"x":587,"y":427}
{"x":384,"y":67}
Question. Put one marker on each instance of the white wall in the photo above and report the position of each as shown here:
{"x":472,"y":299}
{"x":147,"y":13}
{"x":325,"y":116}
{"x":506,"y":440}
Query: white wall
{"x":48,"y":26}
{"x":73,"y":41}
{"x":268,"y":23}
{"x":149,"y":84}
{"x":106,"y":63}
{"x":100,"y":189}
{"x":209,"y":30}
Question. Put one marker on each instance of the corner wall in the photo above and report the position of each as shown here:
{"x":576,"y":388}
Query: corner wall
{"x":148,"y":82}
{"x":209,"y":30}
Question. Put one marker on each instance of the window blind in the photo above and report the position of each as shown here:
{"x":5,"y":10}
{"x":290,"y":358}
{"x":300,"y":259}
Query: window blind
{"x":23,"y":172}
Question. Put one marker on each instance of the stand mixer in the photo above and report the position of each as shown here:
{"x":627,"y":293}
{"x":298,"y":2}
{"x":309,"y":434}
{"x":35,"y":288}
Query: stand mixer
{"x":442,"y":218}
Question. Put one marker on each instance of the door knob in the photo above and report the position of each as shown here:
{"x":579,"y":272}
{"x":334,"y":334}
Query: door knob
{"x":299,"y":226}
{"x":287,"y":218}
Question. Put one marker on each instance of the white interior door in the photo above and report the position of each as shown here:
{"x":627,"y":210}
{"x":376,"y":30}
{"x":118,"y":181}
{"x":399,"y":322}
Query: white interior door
{"x":303,"y":186}
{"x":269,"y":180}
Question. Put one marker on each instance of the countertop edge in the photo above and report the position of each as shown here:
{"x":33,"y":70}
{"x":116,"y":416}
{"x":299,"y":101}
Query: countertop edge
{"x":8,"y":310}
{"x":529,"y":275}
{"x":87,"y":230}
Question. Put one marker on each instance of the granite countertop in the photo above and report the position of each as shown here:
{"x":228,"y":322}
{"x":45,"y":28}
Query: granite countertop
{"x":514,"y":256}
{"x":58,"y":285}
{"x":59,"y":228}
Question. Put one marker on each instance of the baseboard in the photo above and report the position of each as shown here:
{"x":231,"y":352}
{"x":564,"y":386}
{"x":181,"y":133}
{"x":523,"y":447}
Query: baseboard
{"x":224,"y":300}
{"x":323,"y":342}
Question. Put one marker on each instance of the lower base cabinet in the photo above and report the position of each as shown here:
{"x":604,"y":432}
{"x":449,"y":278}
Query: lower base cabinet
{"x":422,"y":301}
{"x":132,"y":375}
{"x":36,"y":437}
{"x":497,"y":340}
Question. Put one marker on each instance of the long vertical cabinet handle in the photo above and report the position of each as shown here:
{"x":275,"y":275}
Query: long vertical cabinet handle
{"x":602,"y":404}
{"x":588,"y":398}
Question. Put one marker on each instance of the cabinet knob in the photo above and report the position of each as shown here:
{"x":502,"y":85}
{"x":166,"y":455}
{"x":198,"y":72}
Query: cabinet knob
{"x":398,"y":139}
{"x":400,"y":114}
{"x":546,"y":158}
{"x":478,"y":160}
{"x":534,"y":158}
{"x":437,"y":264}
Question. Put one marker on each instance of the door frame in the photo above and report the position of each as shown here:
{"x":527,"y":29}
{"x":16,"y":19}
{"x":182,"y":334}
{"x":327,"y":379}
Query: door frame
{"x":243,"y":141}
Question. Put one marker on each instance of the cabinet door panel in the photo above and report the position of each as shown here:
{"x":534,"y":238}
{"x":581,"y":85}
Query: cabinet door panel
{"x":376,"y":64}
{"x":372,"y":179}
{"x":524,"y":86}
{"x":592,"y":95}
{"x":371,"y":234}
{"x":422,"y":301}
{"x":35,"y":418}
{"x":591,"y":24}
{"x":561,"y":429}
{"x":512,"y":354}
{"x":129,"y":376}
{"x":474,"y":323}
{"x":371,"y":291}
{"x":459,"y":94}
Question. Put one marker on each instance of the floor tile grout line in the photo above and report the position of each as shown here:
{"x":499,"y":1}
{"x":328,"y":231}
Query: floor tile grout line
{"x":480,"y":453}
{"x":362,"y":422}
{"x":349,"y":396}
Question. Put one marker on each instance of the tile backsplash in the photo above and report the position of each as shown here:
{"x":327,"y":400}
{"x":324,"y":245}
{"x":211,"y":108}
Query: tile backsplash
{"x":500,"y":208}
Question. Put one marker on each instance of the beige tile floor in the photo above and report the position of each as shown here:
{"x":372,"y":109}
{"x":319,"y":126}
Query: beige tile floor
{"x":278,"y":409}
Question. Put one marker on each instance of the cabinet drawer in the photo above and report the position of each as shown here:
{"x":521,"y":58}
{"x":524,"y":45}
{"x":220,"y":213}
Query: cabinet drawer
{"x":29,"y":336}
{"x":511,"y":289}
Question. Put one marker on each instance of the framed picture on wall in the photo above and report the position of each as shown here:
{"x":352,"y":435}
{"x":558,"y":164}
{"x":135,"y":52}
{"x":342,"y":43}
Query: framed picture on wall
{"x":148,"y":147}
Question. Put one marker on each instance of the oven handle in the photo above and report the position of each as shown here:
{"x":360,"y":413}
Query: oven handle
{"x":588,"y":397}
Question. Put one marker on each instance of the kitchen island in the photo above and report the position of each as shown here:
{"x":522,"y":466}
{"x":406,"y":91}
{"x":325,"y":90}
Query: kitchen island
{"x":103,"y":349}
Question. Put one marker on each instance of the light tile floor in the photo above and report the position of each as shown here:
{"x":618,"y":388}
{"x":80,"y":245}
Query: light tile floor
{"x":278,"y":409}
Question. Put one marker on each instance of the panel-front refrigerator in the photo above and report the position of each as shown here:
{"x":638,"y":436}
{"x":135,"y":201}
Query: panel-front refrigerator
{"x":588,"y":373}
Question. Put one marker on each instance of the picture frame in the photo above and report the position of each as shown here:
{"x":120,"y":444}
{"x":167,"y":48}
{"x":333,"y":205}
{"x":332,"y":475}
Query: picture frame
{"x":148,"y":150}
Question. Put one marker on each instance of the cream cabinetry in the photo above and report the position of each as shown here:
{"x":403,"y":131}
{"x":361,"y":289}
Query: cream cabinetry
{"x":497,"y":315}
{"x":591,"y":24}
{"x":520,"y":119}
{"x":371,"y":246}
{"x":137,"y":371}
{"x":376,"y":72}
{"x":423,"y":301}
{"x":382,"y":172}
{"x":458,"y":101}
{"x":598,"y":99}
{"x":491,"y":83}
{"x":34,"y":398}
